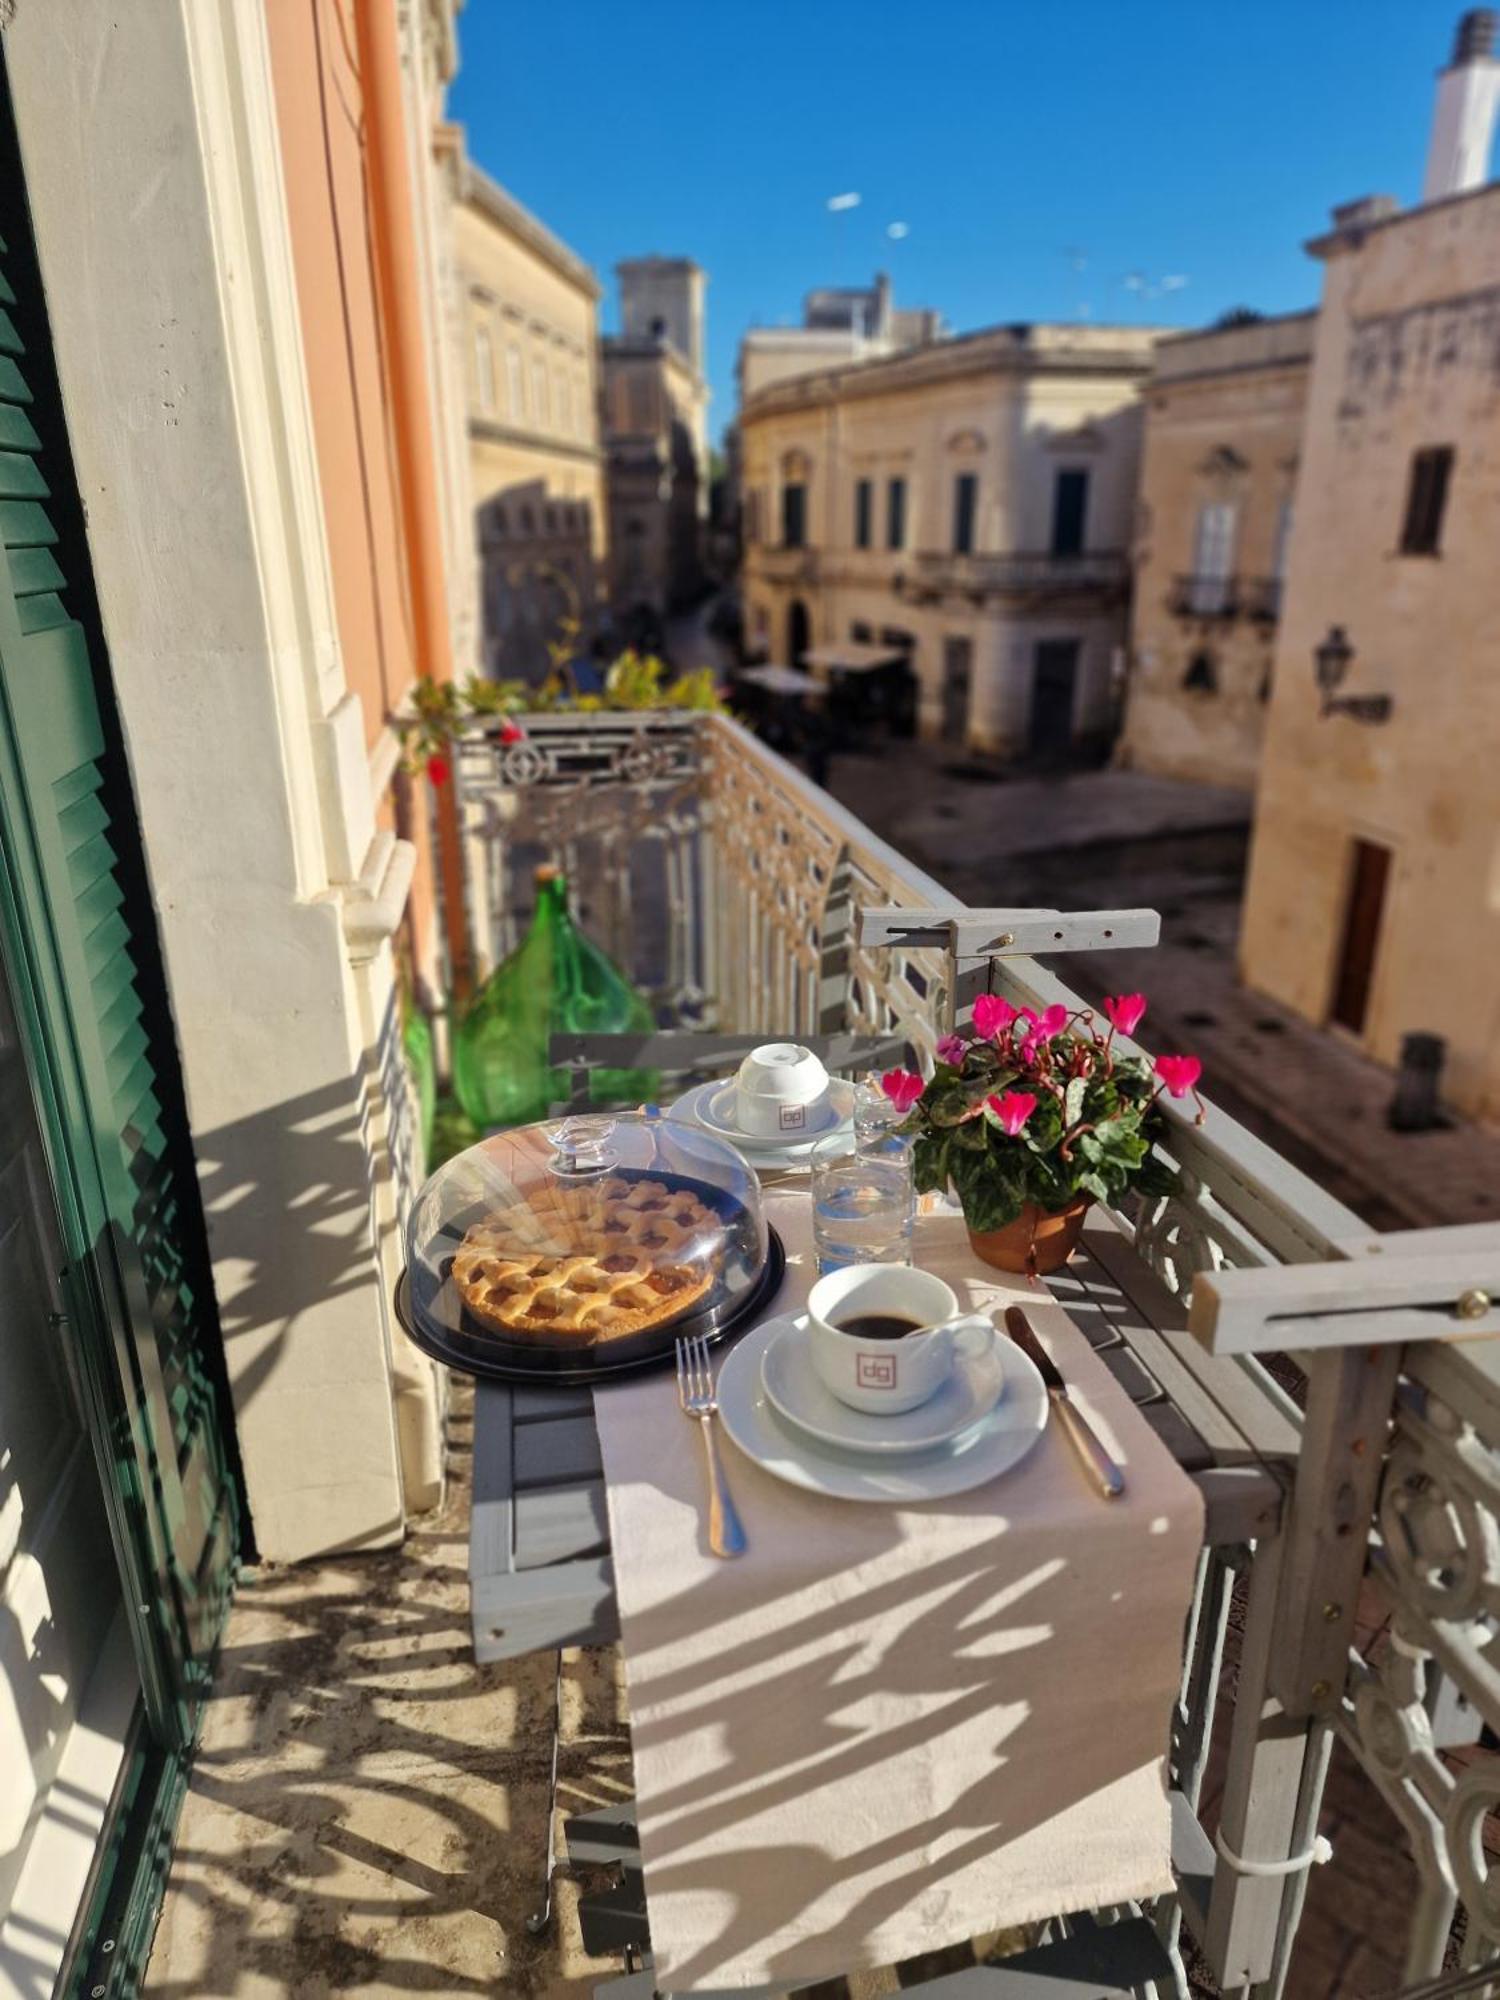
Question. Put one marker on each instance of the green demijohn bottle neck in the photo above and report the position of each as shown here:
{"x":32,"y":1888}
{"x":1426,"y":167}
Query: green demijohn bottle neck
{"x":551,"y":895}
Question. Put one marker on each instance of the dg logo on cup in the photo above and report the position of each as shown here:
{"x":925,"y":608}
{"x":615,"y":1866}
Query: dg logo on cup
{"x":876,"y":1371}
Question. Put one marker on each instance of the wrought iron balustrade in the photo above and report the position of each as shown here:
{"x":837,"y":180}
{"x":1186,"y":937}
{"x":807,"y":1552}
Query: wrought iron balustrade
{"x":1022,"y":572}
{"x":1260,"y":598}
{"x":782,"y":565}
{"x":734,"y":890}
{"x":1205,"y":597}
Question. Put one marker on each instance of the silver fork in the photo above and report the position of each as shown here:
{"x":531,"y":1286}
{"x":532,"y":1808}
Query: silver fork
{"x":695,"y":1392}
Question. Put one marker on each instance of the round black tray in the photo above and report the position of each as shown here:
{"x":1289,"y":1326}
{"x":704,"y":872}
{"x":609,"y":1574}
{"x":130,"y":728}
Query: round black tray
{"x":465,"y":1344}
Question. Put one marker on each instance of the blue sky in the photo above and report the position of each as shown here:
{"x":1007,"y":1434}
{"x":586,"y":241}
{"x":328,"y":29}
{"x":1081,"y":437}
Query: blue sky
{"x":1039,"y":154}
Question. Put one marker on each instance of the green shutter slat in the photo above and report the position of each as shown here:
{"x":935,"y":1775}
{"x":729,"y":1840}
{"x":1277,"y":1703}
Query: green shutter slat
{"x":86,"y":820}
{"x":17,"y":432}
{"x":117,"y":1010}
{"x":21,"y":477}
{"x":14,"y":387}
{"x":125,"y":1059}
{"x":68,"y":787}
{"x":10,"y":340}
{"x":41,"y":614}
{"x":24,"y":525}
{"x":104,"y":931}
{"x":33,"y":569}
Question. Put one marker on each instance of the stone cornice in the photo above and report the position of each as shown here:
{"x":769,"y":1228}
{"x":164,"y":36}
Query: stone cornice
{"x":1007,"y":351}
{"x":488,"y":198}
{"x":495,"y":432}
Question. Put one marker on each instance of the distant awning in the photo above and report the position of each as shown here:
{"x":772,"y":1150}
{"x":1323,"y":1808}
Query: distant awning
{"x":853,"y":657}
{"x":781,"y":680}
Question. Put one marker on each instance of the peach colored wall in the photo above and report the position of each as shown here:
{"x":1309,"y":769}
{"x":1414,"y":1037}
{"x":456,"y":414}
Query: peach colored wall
{"x":315,"y":62}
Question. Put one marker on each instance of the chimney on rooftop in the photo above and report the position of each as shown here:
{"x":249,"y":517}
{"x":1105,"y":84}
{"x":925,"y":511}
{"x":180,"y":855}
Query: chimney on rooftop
{"x":1463,"y":124}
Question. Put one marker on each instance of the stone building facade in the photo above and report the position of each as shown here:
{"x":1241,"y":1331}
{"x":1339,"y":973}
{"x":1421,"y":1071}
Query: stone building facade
{"x":656,"y":438}
{"x":529,"y":332}
{"x":1224,"y":411}
{"x":1372,"y":901}
{"x":969,"y":505}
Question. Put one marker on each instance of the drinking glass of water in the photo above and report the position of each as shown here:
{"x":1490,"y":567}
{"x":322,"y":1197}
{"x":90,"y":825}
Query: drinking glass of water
{"x":862,"y":1205}
{"x":877,"y":1122}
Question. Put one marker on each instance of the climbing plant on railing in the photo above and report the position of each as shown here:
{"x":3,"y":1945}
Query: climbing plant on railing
{"x":441,"y":710}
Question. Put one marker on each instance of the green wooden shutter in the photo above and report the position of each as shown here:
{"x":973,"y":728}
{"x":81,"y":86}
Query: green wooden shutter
{"x":83,"y":928}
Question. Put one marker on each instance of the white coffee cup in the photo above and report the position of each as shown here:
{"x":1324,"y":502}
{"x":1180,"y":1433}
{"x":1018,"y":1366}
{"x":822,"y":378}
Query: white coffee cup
{"x":886,"y":1376}
{"x":781,"y":1091}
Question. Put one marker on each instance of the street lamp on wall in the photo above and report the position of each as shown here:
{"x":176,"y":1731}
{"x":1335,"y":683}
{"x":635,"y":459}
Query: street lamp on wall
{"x":1332,"y":658}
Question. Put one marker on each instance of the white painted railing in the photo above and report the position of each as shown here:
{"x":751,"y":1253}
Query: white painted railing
{"x":734,"y":890}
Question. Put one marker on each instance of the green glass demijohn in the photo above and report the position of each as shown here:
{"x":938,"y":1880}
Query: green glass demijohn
{"x":555,"y":981}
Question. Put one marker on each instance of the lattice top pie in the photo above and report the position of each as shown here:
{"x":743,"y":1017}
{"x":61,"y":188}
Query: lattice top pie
{"x":588,"y":1262}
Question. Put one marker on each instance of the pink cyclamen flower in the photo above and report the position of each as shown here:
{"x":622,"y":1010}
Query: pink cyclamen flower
{"x":902,"y":1088}
{"x":1012,"y":1110}
{"x":1179,"y":1073}
{"x":952,"y":1049}
{"x":1051,"y":1023}
{"x":1126,"y":1011}
{"x":992,"y":1015}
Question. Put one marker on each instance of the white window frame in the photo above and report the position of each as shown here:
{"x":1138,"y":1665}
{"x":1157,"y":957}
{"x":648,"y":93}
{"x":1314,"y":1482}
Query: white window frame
{"x":1214,"y":536}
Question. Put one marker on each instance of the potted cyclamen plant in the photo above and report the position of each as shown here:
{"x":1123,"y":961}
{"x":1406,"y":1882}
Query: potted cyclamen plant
{"x":1032,"y":1117}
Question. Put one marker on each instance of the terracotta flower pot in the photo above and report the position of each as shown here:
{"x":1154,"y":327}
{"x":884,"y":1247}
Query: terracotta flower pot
{"x":1036,"y":1242}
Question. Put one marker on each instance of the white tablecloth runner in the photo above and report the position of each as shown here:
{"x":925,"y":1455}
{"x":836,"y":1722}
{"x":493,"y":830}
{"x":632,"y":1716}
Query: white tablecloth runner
{"x":881,"y":1732}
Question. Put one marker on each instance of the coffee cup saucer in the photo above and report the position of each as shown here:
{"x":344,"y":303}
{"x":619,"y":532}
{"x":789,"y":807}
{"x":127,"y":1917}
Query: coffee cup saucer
{"x":797,"y":1392}
{"x":715,"y":1108}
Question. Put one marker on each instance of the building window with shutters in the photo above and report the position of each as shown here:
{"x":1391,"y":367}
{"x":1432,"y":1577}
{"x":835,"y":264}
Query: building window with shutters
{"x":793,"y":516}
{"x":484,"y":367}
{"x":515,"y":389}
{"x":864,"y":512}
{"x":895,"y":514}
{"x":564,"y":403}
{"x":539,"y":391}
{"x":965,"y":508}
{"x":1426,"y":499}
{"x":1213,"y":559}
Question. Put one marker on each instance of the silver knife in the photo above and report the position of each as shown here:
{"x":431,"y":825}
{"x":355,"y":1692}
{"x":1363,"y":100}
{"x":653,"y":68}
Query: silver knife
{"x":1101,"y":1467}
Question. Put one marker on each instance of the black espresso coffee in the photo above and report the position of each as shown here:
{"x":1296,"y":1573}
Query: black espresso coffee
{"x":878,"y":1326}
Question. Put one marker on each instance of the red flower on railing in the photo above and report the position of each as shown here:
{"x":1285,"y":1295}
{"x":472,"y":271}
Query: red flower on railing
{"x":512,"y":732}
{"x":1179,"y":1073}
{"x":1126,"y":1011}
{"x":437,"y":769}
{"x":902,"y":1088}
{"x":992,"y":1015}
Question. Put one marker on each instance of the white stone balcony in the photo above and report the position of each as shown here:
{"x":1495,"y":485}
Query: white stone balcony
{"x":1101,"y":574}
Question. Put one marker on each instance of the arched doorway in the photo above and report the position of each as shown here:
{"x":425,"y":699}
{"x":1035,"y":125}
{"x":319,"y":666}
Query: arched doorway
{"x":798,"y":635}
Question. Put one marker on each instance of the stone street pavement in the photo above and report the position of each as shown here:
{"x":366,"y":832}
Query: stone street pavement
{"x":994,"y":835}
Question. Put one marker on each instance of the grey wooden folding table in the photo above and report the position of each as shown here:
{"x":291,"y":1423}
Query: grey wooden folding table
{"x":541,"y":1578}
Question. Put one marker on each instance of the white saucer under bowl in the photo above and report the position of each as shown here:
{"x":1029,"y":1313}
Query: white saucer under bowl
{"x":799,"y":1393}
{"x":692,"y":1109}
{"x":992,"y":1446}
{"x":718,"y":1112}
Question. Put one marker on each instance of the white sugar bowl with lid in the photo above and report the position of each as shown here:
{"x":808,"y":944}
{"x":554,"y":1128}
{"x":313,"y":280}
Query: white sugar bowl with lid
{"x":781,"y":1092}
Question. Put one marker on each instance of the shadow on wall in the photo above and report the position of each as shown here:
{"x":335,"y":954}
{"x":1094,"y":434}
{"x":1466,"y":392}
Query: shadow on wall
{"x":318,"y":1188}
{"x":537,"y":568}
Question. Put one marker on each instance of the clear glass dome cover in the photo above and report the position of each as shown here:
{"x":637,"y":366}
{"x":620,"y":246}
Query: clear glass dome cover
{"x":583,"y":1246}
